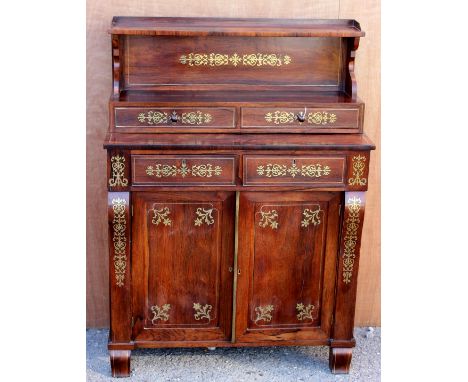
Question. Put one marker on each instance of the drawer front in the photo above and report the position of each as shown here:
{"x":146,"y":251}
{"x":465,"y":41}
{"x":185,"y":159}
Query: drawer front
{"x":310,"y":119}
{"x":149,"y":118}
{"x":287,"y":170}
{"x":183,"y":170}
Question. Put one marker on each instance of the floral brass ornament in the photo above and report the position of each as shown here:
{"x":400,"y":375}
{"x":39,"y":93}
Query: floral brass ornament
{"x":311,"y":217}
{"x":119,"y":240}
{"x":218,"y":59}
{"x":351,"y":237}
{"x":279,"y":117}
{"x":268,"y":218}
{"x":264,"y":313}
{"x":196,"y":118}
{"x":202,"y":311}
{"x":161,"y":216}
{"x":321,"y":118}
{"x":358,"y":171}
{"x":274,"y":170}
{"x":160,"y":313}
{"x":118,"y":175}
{"x":304,"y":311}
{"x":204,"y":216}
{"x":164,"y":171}
{"x":153,"y":117}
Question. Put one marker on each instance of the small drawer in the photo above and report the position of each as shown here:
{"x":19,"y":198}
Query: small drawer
{"x":288,"y":170}
{"x":303,"y":119}
{"x":151,"y":118}
{"x":183,"y":170}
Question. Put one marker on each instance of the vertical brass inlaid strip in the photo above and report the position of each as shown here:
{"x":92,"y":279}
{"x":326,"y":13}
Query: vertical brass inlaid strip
{"x":234,"y":288}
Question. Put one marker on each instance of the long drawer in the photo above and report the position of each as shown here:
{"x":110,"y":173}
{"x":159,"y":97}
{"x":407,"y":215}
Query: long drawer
{"x":183,"y":170}
{"x":305,"y":119}
{"x":260,"y":170}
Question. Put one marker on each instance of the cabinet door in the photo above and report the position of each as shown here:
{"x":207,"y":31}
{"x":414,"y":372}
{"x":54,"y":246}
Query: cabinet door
{"x":182,"y":258}
{"x":286,"y":266}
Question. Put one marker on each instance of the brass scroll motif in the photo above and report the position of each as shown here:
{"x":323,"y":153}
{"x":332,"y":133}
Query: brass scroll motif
{"x":264,"y":313}
{"x":218,"y":59}
{"x":202,"y":311}
{"x":160,"y":313}
{"x":190,"y":118}
{"x":119,"y":225}
{"x":204,"y":216}
{"x":275,"y":170}
{"x":351,"y":237}
{"x":153,"y":118}
{"x":310,"y":217}
{"x":196,"y":118}
{"x":269,"y":218}
{"x":118,"y":167}
{"x":161,"y":216}
{"x":304,"y":312}
{"x":281,"y":117}
{"x":203,"y":170}
{"x":358,"y":171}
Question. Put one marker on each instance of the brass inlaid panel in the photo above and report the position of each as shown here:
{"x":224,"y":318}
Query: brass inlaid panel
{"x":204,"y":216}
{"x":358,"y":171}
{"x":202,"y":311}
{"x":264,"y":313}
{"x":311,"y":217}
{"x":268,"y":219}
{"x":218,"y":59}
{"x":352,"y":226}
{"x":161,"y":216}
{"x":119,"y":225}
{"x":160,"y":313}
{"x":117,"y":174}
{"x":304,"y":312}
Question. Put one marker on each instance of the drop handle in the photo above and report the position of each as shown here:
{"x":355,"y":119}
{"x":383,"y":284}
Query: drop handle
{"x":173,"y":117}
{"x":301,"y":116}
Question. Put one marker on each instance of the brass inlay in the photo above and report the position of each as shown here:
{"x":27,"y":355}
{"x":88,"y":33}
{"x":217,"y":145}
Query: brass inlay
{"x":351,"y":237}
{"x":304,"y":312}
{"x":358,"y":171}
{"x":218,"y":59}
{"x":161,"y":216}
{"x":118,"y":167}
{"x":321,"y":118}
{"x":160,"y":313}
{"x":279,"y":117}
{"x":202,"y":311}
{"x":196,"y":118}
{"x":153,"y":117}
{"x":264,"y":313}
{"x":203,"y":170}
{"x":268,"y":218}
{"x":119,"y":225}
{"x":310,"y":217}
{"x":275,"y":170}
{"x":204,"y":216}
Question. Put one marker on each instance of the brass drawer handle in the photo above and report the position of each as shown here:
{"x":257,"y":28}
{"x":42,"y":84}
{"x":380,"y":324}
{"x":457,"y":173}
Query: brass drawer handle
{"x":301,"y":116}
{"x":174,"y":117}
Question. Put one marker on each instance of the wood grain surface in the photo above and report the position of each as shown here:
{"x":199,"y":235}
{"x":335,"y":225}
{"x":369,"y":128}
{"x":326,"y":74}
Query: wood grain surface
{"x":99,"y":87}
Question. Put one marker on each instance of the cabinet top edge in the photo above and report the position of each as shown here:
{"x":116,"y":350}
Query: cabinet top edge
{"x":216,"y":26}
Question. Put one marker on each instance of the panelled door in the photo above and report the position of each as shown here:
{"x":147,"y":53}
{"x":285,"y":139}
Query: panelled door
{"x":182,"y":257}
{"x":287,"y":255}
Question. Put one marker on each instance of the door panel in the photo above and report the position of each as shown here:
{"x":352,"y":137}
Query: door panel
{"x":181,"y":265}
{"x":287,"y":271}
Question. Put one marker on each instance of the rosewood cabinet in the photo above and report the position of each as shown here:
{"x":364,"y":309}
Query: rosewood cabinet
{"x":237,"y":174}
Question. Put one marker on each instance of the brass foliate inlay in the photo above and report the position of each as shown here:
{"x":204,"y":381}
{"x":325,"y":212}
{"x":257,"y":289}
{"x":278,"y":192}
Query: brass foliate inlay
{"x":164,"y":170}
{"x":268,"y":218}
{"x":119,"y":240}
{"x":350,"y":240}
{"x":204,"y":216}
{"x":218,"y":59}
{"x":153,"y":117}
{"x":304,"y":311}
{"x":118,"y":168}
{"x":160,"y":313}
{"x":196,"y":118}
{"x":281,"y":117}
{"x":190,"y":118}
{"x":202,"y":311}
{"x":358,"y":171}
{"x":311,"y":217}
{"x":161,"y":216}
{"x":321,"y":118}
{"x":272,"y":170}
{"x":264,"y":313}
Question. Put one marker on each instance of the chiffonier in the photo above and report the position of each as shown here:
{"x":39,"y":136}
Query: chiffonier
{"x":237,"y":178}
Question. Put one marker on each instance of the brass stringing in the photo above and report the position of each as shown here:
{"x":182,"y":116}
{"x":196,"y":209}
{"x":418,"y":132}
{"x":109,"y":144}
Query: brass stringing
{"x":268,"y":218}
{"x":351,"y":237}
{"x":165,"y":170}
{"x":204,"y":216}
{"x":310,"y":217}
{"x":161,"y":216}
{"x":120,"y":241}
{"x":264,"y":313}
{"x":217,"y":59}
{"x":279,"y":117}
{"x":153,"y":118}
{"x":358,"y":171}
{"x":202,"y":311}
{"x":274,"y":170}
{"x":304,"y":312}
{"x":118,"y":167}
{"x":160,"y":313}
{"x":196,"y":118}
